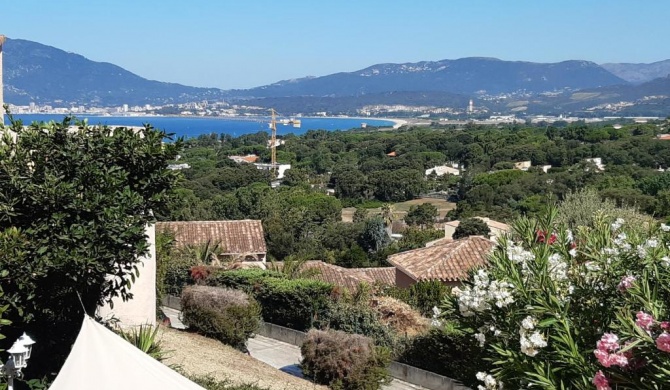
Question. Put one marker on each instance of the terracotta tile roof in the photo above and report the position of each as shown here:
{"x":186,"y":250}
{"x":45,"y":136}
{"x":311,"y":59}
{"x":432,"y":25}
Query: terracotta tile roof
{"x":249,"y":158}
{"x":448,"y":262}
{"x":663,"y":137}
{"x":348,"y":278}
{"x":237,"y":237}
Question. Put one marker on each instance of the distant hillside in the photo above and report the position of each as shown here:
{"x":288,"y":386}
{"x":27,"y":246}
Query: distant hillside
{"x":46,"y":75}
{"x":465,"y":76}
{"x":640,"y":73}
{"x":650,"y":99}
{"x":349,"y":104}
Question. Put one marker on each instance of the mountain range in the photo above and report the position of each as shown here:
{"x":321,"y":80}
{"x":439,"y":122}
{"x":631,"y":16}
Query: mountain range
{"x":47,"y":75}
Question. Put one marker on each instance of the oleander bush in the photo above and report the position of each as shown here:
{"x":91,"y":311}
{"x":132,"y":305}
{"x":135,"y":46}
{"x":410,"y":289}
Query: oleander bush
{"x":230,"y":316}
{"x":344,"y":361}
{"x":572,"y":309}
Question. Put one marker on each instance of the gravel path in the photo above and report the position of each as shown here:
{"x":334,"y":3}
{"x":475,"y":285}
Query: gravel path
{"x":198,"y":355}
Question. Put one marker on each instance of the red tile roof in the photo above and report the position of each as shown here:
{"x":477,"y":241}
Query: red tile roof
{"x":448,"y":262}
{"x":237,"y":237}
{"x":348,"y":278}
{"x":663,"y":137}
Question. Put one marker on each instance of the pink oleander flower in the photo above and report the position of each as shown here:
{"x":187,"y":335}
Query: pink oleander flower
{"x":665,"y":325}
{"x":663,"y":342}
{"x":601,"y":382}
{"x":626,"y":283}
{"x":644,"y":320}
{"x":606,"y":346}
{"x":608,"y":342}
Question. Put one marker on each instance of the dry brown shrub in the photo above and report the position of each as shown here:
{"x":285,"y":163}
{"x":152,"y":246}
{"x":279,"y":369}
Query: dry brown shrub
{"x":344,"y":361}
{"x":400,"y":316}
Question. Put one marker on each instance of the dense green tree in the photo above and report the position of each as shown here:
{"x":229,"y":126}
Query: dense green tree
{"x":421,"y":215}
{"x":77,"y":203}
{"x":471,"y":227}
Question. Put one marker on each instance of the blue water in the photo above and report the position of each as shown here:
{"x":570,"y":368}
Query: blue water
{"x":188,"y":127}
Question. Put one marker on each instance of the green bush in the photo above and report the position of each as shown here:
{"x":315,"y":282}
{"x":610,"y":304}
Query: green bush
{"x":229,"y":316}
{"x":293,"y":303}
{"x":447,"y":352}
{"x":423,"y":296}
{"x":359,"y":319}
{"x":344,"y":361}
{"x":144,"y":337}
{"x":243,"y":279}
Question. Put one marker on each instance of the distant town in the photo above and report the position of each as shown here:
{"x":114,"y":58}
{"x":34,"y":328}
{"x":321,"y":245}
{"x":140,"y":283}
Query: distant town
{"x":414,"y":115}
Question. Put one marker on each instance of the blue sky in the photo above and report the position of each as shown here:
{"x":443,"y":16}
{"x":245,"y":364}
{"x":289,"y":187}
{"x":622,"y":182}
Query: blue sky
{"x":247,"y":43}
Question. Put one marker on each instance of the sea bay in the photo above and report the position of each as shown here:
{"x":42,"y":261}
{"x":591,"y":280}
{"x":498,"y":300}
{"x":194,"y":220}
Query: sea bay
{"x":189,"y":127}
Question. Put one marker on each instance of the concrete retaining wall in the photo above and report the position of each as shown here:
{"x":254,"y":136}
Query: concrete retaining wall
{"x":423,"y":378}
{"x":172,"y":302}
{"x":289,"y":336}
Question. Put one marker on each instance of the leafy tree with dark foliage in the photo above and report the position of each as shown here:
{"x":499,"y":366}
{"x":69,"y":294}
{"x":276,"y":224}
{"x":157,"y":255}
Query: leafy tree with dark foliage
{"x":421,"y":215}
{"x":471,"y":227}
{"x":73,"y":207}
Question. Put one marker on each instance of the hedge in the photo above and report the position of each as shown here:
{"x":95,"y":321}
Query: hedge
{"x":293,"y":303}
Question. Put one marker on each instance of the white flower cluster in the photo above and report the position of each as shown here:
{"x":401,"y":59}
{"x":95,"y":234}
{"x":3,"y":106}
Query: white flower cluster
{"x":665,"y":228}
{"x":517,"y":254}
{"x":665,"y":260}
{"x":479,"y":297}
{"x":621,"y":243}
{"x":436,"y":321}
{"x":617,"y":224}
{"x":643,"y":249}
{"x":531,"y":342}
{"x":557,"y":267}
{"x":490,"y":383}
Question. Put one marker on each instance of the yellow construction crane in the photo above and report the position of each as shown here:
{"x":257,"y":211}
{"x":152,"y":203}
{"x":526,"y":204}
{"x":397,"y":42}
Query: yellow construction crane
{"x":273,"y":140}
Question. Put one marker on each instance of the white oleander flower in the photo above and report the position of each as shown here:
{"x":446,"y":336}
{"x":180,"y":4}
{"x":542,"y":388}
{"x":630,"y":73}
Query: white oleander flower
{"x":617,"y":224}
{"x":558,"y":268}
{"x":481,"y":337}
{"x":665,"y":228}
{"x":528,"y":323}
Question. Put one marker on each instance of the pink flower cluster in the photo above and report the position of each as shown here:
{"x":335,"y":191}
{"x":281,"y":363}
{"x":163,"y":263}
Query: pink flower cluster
{"x":607,"y":351}
{"x":626,"y":283}
{"x":663,"y":342}
{"x":644,"y":320}
{"x":600,"y":380}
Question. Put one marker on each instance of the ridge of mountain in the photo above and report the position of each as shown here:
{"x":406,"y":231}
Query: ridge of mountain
{"x":461,"y":76}
{"x":639,"y":73}
{"x":47,"y":75}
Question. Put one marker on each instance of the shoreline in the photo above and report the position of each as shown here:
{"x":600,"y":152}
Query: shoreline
{"x":396,"y":123}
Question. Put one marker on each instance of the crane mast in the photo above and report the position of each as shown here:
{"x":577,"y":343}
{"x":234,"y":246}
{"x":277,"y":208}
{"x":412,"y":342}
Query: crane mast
{"x":273,"y":140}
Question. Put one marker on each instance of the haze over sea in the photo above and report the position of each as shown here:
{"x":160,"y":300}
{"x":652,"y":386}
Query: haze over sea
{"x":190,"y":127}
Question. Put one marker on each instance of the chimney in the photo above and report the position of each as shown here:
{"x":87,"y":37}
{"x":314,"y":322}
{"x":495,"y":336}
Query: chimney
{"x":2,"y":85}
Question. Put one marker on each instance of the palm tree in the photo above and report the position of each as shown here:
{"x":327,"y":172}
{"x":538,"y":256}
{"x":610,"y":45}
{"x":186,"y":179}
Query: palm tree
{"x":206,"y":252}
{"x":294,"y":268}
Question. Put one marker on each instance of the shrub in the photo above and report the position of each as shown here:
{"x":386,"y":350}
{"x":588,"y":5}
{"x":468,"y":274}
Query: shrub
{"x":446,"y":351}
{"x":229,"y":316}
{"x":293,"y":303}
{"x":423,"y":295}
{"x":359,"y":319}
{"x":399,"y":316}
{"x":211,"y":383}
{"x":567,"y":309}
{"x":144,"y":337}
{"x":344,"y":361}
{"x":243,"y":279}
